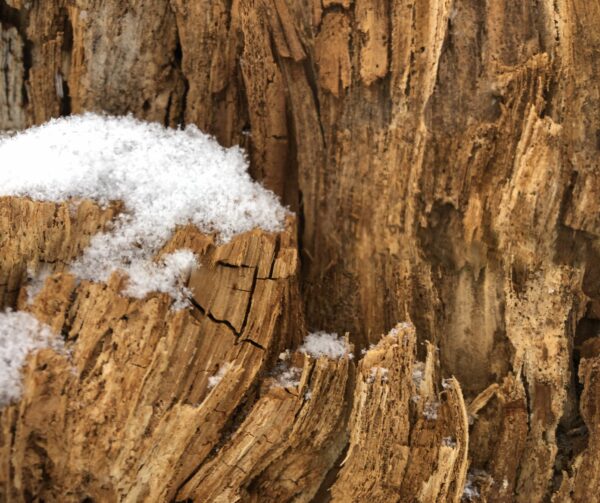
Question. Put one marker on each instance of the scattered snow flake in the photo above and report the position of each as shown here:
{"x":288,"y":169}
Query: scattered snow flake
{"x":36,"y":281}
{"x":375,"y":371}
{"x":474,"y":477}
{"x":418,"y":373}
{"x":165,"y":178}
{"x":331,"y":345}
{"x":288,"y":377}
{"x":430,"y":410}
{"x":403,"y":325}
{"x":470,"y":491}
{"x":364,"y":351}
{"x":446,"y":383}
{"x":20,"y":333}
{"x":216,"y":378}
{"x":448,"y":442}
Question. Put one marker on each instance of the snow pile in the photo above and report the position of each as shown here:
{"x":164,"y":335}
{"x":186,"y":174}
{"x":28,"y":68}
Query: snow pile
{"x":317,"y":344}
{"x":20,"y":333}
{"x":165,"y":178}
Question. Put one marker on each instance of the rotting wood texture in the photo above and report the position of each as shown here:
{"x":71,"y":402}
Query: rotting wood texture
{"x":442,"y":157}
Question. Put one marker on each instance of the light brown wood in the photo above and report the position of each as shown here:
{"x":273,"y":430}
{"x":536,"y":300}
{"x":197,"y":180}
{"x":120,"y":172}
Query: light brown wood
{"x":442,"y":159}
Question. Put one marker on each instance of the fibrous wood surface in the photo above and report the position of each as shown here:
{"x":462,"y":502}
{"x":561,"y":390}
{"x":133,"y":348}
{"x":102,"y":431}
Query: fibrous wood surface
{"x":442,"y":157}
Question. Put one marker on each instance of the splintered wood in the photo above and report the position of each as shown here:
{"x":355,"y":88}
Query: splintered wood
{"x":133,"y":410}
{"x":443,"y":159}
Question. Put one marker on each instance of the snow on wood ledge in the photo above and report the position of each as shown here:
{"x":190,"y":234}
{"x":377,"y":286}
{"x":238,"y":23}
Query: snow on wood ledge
{"x":20,"y":333}
{"x":129,"y":411}
{"x":165,"y":178}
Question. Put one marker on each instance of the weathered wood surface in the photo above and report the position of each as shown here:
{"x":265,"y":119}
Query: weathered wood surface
{"x":443,"y":159}
{"x":127,"y":412}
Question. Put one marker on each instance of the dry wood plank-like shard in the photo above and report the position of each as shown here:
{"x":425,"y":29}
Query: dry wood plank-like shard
{"x":36,"y":233}
{"x":286,"y":444}
{"x":584,"y":479}
{"x":408,"y":434}
{"x":129,"y":413}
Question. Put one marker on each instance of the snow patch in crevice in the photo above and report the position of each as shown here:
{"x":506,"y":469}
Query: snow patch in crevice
{"x":287,"y":377}
{"x":470,"y":490}
{"x":430,"y":410}
{"x":331,"y":345}
{"x":218,"y":377}
{"x":165,"y":178}
{"x":167,"y":275}
{"x":20,"y":334}
{"x":36,"y":281}
{"x":418,"y":373}
{"x":382,"y":372}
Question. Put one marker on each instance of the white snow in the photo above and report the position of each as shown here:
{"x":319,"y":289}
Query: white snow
{"x":165,"y":178}
{"x":403,"y":325}
{"x":37,"y":281}
{"x":20,"y":333}
{"x":331,"y":345}
{"x":470,"y":490}
{"x":430,"y":410}
{"x":288,"y":377}
{"x":168,"y":275}
{"x":382,"y":372}
{"x":216,"y":378}
{"x":418,"y":373}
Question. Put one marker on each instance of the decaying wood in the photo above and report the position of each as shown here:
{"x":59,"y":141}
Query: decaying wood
{"x":408,"y":438}
{"x":442,"y":156}
{"x":130,"y":397}
{"x":131,"y":394}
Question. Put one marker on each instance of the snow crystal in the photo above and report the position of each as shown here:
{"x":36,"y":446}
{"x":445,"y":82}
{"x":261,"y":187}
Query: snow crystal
{"x":448,"y":442}
{"x":403,"y":325}
{"x":430,"y":411}
{"x":20,"y":333}
{"x":318,"y":344}
{"x":216,"y":378}
{"x":418,"y":373}
{"x":165,"y":178}
{"x":288,"y":377}
{"x":37,"y":281}
{"x":168,"y":276}
{"x":475,"y":477}
{"x":446,"y":383}
{"x":470,"y":491}
{"x":381,"y":371}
